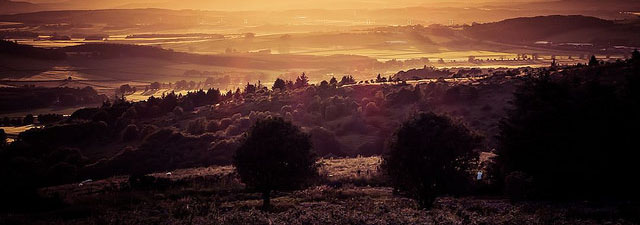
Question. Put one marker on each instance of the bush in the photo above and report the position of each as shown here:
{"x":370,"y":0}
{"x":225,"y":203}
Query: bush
{"x":197,"y":126}
{"x":147,"y":130}
{"x":430,"y":155}
{"x":371,"y":109}
{"x":130,"y":133}
{"x":213,"y":126}
{"x":178,"y":111}
{"x":275,"y":155}
{"x":325,"y":142}
{"x":224,"y":123}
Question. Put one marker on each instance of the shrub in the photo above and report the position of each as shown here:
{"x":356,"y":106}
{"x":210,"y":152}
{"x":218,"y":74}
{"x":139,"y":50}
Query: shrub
{"x":197,"y":126}
{"x":431,"y":155}
{"x":130,"y":133}
{"x":178,"y":111}
{"x":371,"y":109}
{"x":224,"y":123}
{"x":147,"y":130}
{"x":275,"y":155}
{"x":213,"y":126}
{"x":325,"y":142}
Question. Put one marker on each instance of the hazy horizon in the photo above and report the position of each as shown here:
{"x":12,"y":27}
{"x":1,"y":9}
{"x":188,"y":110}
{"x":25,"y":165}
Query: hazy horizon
{"x":258,"y":5}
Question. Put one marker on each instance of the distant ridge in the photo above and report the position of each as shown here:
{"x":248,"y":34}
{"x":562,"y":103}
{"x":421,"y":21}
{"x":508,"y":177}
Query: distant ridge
{"x":11,"y":7}
{"x":552,"y":28}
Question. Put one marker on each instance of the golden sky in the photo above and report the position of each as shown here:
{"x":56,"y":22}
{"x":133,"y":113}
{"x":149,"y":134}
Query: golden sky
{"x":265,"y":4}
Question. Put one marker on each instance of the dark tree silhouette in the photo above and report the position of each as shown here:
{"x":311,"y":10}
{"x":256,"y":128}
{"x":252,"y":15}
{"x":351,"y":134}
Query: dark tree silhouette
{"x":573,"y":136}
{"x":593,"y":61}
{"x":275,"y":155}
{"x":279,"y":84}
{"x":301,"y":81}
{"x":324,"y":84}
{"x":3,"y":138}
{"x":431,"y":155}
{"x":49,"y":118}
{"x":28,"y":119}
{"x":250,"y":88}
{"x":635,"y":60}
{"x":333,"y":81}
{"x":348,"y":79}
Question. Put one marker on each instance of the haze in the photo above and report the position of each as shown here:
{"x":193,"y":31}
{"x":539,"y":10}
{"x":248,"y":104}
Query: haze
{"x":265,"y":5}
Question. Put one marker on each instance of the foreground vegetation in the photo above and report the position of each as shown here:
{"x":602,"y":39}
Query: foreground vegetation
{"x":214,"y":195}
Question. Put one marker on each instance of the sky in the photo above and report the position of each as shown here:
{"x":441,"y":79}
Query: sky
{"x":263,"y":4}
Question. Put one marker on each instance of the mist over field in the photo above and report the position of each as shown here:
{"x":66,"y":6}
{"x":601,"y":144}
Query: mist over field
{"x":319,"y":112}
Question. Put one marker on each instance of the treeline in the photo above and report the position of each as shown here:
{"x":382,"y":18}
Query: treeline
{"x":15,"y":49}
{"x":40,"y":97}
{"x":109,"y":50}
{"x":14,"y":34}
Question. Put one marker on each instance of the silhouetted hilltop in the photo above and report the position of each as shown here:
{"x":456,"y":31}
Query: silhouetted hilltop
{"x":557,"y":29}
{"x":8,"y":7}
{"x":15,"y":49}
{"x":534,"y":28}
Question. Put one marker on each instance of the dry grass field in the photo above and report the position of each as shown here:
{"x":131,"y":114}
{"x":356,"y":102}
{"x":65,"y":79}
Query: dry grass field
{"x":214,"y":195}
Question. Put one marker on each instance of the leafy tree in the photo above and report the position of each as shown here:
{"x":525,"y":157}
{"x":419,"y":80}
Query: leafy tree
{"x":275,"y":155}
{"x":431,"y":155}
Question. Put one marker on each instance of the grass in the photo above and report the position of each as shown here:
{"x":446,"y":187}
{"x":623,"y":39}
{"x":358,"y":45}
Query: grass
{"x":214,"y":195}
